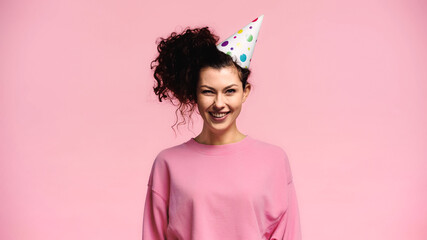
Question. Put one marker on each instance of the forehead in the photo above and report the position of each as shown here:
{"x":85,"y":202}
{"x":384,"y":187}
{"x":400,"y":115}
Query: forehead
{"x":218,"y":78}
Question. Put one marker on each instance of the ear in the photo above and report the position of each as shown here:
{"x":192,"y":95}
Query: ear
{"x":246,"y":91}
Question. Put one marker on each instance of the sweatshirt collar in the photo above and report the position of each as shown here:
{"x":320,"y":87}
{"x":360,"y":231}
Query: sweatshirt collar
{"x":222,"y":149}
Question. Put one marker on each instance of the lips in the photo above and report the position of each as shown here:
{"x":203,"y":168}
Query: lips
{"x":219,"y":119}
{"x":215,"y":114}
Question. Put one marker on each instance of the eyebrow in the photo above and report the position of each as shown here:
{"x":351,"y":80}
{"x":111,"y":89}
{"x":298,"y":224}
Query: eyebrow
{"x":224,"y":88}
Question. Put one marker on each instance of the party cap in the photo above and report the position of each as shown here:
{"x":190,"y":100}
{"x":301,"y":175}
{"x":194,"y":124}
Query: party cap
{"x":241,"y":44}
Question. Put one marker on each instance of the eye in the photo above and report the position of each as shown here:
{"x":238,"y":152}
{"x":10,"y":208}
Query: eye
{"x":228,"y":91}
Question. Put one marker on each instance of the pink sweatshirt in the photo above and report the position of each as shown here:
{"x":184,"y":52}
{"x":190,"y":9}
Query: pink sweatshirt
{"x":236,"y":191}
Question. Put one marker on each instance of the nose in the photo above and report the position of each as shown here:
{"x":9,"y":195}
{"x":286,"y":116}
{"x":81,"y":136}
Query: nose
{"x":219,"y":102}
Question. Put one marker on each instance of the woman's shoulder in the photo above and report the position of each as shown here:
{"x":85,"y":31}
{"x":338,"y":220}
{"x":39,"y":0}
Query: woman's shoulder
{"x":268,"y":146}
{"x":279,"y":156}
{"x":171,"y":150}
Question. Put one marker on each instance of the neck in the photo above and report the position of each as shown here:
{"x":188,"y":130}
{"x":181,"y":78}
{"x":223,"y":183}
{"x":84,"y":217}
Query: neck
{"x":207,"y":136}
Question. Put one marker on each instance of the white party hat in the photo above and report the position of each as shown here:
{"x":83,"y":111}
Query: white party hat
{"x":241,"y":44}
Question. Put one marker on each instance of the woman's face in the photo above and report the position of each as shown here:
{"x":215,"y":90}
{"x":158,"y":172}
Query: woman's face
{"x":219,"y":97}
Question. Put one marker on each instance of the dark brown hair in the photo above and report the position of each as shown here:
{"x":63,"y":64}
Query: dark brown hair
{"x":177,"y":67}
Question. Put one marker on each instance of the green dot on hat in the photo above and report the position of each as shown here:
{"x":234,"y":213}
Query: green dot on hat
{"x":250,"y":38}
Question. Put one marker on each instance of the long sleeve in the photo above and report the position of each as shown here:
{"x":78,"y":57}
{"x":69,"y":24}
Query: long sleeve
{"x":289,"y":227}
{"x":155,"y":219}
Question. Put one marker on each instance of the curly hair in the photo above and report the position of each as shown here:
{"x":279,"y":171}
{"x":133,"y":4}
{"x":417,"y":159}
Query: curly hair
{"x":177,"y":67}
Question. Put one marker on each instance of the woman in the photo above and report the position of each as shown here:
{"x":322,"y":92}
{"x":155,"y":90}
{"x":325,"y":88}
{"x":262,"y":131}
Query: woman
{"x":222,"y":184}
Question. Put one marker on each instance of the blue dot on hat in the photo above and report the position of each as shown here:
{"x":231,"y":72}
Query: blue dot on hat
{"x":243,"y":57}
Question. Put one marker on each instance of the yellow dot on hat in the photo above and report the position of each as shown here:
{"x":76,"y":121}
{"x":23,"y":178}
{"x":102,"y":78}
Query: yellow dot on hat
{"x":240,"y":31}
{"x":249,"y":48}
{"x":238,"y":45}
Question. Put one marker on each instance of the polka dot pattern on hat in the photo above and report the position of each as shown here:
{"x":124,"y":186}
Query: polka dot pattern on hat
{"x":241,"y":44}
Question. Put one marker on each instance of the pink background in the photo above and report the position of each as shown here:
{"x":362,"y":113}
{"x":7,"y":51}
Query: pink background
{"x":340,"y":85}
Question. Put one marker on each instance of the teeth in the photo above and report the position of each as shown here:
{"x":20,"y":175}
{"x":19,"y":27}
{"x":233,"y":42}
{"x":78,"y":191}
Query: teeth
{"x":219,"y":115}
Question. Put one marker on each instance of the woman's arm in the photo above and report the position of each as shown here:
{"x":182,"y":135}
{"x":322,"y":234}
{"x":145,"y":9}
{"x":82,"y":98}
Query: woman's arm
{"x":155,"y":219}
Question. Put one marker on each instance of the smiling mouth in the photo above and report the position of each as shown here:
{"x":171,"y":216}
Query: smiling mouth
{"x":219,"y":115}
